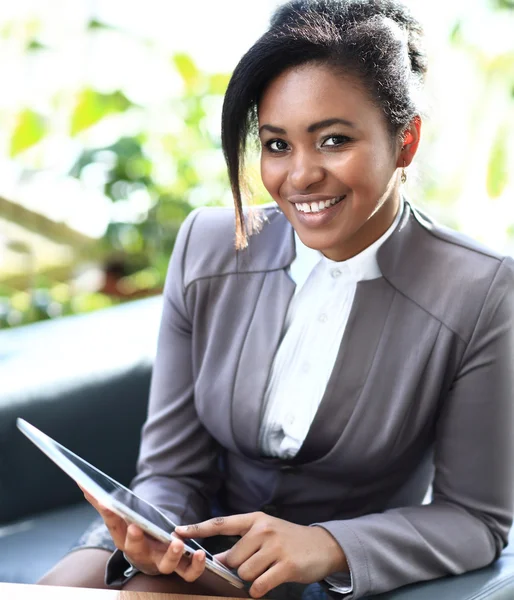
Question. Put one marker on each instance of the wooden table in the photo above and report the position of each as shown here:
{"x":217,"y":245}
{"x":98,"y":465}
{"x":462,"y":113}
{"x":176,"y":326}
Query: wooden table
{"x":18,"y":591}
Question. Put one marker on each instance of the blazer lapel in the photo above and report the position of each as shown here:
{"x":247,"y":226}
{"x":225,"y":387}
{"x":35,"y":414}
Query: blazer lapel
{"x":370,"y":309}
{"x":274,"y":290}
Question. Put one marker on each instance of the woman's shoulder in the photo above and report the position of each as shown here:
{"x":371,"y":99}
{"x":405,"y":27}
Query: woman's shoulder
{"x":445,"y":272}
{"x":206,"y":242}
{"x":459,"y":257}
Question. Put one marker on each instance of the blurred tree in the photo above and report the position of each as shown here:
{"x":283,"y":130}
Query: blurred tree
{"x":153,"y":177}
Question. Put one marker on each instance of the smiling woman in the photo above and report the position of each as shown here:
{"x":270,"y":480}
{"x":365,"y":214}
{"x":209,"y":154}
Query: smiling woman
{"x":311,"y":385}
{"x":318,"y":169}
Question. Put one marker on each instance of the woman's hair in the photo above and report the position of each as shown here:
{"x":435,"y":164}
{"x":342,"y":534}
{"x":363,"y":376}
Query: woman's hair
{"x":376,"y":41}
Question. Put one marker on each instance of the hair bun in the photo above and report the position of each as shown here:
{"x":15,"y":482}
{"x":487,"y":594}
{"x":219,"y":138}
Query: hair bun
{"x":343,"y":15}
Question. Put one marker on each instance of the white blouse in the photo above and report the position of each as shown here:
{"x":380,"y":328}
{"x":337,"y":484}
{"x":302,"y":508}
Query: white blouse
{"x":314,"y":327}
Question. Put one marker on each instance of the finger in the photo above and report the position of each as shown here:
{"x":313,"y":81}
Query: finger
{"x":137,"y":549}
{"x":233,"y":525}
{"x":255,"y":566}
{"x":221,"y":557}
{"x":267,"y":581}
{"x":168,"y":561}
{"x":116,"y":526}
{"x":90,"y":498}
{"x":242,"y":550}
{"x":191,"y":569}
{"x":102,"y":509}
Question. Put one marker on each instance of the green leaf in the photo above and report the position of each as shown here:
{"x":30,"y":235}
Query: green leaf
{"x":89,"y":302}
{"x":34,"y":46}
{"x":503,"y":4}
{"x":95,"y":24}
{"x":456,"y":33}
{"x":497,"y":172}
{"x":92,"y":107}
{"x":218,"y":83}
{"x":30,"y":129}
{"x":7,"y":29}
{"x":187,"y":69}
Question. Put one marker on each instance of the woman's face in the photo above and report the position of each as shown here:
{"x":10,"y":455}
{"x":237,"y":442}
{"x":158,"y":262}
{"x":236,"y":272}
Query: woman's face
{"x":328,"y":160}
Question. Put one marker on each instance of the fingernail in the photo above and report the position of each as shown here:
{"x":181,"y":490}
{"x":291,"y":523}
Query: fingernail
{"x":181,"y":528}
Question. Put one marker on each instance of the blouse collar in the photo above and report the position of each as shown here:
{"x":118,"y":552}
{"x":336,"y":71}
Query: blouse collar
{"x":361,"y":267}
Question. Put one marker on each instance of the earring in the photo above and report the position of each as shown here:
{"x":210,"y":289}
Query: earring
{"x":403,"y":176}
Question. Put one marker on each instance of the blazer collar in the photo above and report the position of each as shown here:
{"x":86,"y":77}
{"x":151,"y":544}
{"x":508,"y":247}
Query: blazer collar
{"x":401,"y":257}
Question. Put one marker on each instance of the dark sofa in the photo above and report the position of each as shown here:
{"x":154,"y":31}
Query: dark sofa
{"x":84,"y":381}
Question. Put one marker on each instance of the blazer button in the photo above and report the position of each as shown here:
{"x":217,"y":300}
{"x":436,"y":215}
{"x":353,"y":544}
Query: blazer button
{"x":270,"y":509}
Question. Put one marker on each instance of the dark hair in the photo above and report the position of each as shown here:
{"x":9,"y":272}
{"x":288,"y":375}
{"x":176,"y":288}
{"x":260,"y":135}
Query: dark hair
{"x":377,"y":41}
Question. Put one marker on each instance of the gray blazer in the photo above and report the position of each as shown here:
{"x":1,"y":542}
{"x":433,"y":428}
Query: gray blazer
{"x":421,"y":392}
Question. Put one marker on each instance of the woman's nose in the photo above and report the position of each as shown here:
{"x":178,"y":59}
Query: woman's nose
{"x":305,"y":171}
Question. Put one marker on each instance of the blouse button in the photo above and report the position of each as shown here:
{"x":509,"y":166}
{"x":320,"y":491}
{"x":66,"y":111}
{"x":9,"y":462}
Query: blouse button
{"x":323,"y":318}
{"x":335,"y":273}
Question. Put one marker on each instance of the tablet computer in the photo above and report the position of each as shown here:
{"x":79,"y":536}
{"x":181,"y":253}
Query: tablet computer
{"x":118,"y":498}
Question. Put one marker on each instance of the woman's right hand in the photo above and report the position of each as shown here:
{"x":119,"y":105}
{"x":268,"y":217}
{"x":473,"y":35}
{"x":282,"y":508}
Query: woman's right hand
{"x":146,"y":554}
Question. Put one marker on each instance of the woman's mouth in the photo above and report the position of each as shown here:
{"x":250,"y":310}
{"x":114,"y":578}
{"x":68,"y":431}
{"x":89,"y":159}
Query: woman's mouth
{"x":316,"y":207}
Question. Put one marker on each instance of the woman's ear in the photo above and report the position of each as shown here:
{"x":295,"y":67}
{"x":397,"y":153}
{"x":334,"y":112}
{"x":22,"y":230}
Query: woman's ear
{"x":409,"y":142}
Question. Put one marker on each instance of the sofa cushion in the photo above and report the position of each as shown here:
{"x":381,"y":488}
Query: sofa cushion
{"x":84,"y":381}
{"x":29,"y":548}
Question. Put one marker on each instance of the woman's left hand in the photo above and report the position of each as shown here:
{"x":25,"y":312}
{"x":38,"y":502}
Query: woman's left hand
{"x":272,"y":551}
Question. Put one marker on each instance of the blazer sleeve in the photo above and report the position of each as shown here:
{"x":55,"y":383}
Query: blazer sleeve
{"x":466,"y":525}
{"x":177,"y":468}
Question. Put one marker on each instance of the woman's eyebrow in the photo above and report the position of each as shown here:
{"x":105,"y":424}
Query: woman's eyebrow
{"x":312,"y":128}
{"x":272,"y":128}
{"x":327,"y":123}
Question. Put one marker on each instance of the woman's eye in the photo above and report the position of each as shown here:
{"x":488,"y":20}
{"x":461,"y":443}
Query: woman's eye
{"x":276,"y":145}
{"x":335,"y":140}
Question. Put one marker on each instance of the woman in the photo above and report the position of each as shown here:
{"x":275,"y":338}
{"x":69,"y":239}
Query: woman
{"x":351,"y":354}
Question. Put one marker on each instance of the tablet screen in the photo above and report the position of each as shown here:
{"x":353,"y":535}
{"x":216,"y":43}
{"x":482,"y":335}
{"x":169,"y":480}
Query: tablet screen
{"x":117,"y":497}
{"x":85,"y":474}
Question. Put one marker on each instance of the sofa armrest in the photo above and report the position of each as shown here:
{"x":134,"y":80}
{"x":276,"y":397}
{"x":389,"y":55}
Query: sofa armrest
{"x":84,"y":381}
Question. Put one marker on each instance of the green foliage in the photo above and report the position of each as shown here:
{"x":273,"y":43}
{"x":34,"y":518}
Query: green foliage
{"x":187,"y":69}
{"x":95,"y":25}
{"x":456,"y":33}
{"x":35,"y":46}
{"x":83,"y":303}
{"x":30,"y":129}
{"x":497,"y":172}
{"x":168,"y":161}
{"x":92,"y":107}
{"x":503,"y":4}
{"x":152,"y":175}
{"x":130,"y":166}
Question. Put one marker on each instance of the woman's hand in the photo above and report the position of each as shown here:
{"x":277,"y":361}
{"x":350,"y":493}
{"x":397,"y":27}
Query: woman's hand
{"x":272,"y":551}
{"x":146,"y":554}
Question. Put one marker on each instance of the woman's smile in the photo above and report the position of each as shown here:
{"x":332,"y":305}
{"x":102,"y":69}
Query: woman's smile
{"x":314,"y":212}
{"x":315,"y":205}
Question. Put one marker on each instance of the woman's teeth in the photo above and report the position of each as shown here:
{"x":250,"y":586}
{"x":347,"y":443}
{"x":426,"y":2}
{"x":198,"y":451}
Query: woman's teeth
{"x":314,"y":207}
